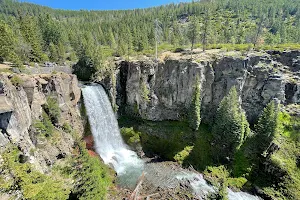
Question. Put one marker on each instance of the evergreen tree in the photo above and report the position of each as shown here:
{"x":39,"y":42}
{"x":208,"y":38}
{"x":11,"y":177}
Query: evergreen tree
{"x":111,"y":39}
{"x":7,"y":42}
{"x":128,"y":41}
{"x":193,"y":31}
{"x":206,"y":28}
{"x":194,"y":115}
{"x":223,"y":21}
{"x":61,"y":52}
{"x":267,"y":126}
{"x":53,"y":52}
{"x":32,"y":35}
{"x":230,"y":126}
{"x":92,"y":176}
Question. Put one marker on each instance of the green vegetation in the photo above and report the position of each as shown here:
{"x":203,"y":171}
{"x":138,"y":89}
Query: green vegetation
{"x":67,"y":127}
{"x":267,"y":127}
{"x":194,"y":115}
{"x":283,"y":182}
{"x":44,"y":127}
{"x":182,"y":155}
{"x":16,"y":175}
{"x":7,"y":43}
{"x":171,"y":140}
{"x":131,"y":137}
{"x":144,"y":92}
{"x":52,"y":109}
{"x":231,"y":127}
{"x":193,"y":31}
{"x":218,"y":177}
{"x":276,"y":171}
{"x":35,"y":33}
{"x":16,"y":80}
{"x":93,"y":178}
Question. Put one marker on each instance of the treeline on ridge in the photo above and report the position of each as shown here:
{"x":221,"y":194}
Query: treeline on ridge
{"x":36,"y":33}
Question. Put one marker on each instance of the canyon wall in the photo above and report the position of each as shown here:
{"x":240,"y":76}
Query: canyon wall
{"x":162,"y":90}
{"x":22,"y":98}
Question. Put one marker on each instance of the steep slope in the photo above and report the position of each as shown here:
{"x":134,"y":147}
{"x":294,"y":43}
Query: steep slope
{"x":163,"y":90}
{"x":37,"y":133}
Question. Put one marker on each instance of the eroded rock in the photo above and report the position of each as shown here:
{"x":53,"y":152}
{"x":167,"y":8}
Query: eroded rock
{"x":168,"y":85}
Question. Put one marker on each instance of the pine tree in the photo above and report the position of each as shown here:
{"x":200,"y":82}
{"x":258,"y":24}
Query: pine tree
{"x":230,"y":127}
{"x":93,"y":178}
{"x":193,"y":31}
{"x":194,"y":115}
{"x":206,"y":26}
{"x":128,"y":41}
{"x":267,"y":126}
{"x":111,"y":39}
{"x":32,"y":35}
{"x":53,"y":52}
{"x":7,"y":42}
{"x":61,"y":52}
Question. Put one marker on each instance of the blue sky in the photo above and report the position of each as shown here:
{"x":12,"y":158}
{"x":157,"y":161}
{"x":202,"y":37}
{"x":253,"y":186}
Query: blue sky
{"x":102,"y":4}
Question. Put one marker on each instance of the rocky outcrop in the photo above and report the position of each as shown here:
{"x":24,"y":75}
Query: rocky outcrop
{"x":168,"y":85}
{"x":22,"y":104}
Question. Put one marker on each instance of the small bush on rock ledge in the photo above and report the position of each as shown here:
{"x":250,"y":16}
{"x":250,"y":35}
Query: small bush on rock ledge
{"x":52,"y":109}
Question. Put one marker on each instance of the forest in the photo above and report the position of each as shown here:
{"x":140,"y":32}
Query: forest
{"x":34,"y":33}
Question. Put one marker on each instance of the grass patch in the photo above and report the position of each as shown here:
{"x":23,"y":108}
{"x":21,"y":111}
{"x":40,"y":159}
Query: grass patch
{"x":16,"y":80}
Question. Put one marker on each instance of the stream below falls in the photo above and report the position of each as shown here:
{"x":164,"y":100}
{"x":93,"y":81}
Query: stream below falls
{"x":114,"y":152}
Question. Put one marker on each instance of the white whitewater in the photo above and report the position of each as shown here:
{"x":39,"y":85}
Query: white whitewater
{"x":112,"y":149}
{"x":108,"y":141}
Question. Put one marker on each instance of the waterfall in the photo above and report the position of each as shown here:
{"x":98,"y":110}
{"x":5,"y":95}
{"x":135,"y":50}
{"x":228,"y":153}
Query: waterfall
{"x":108,"y":141}
{"x":112,"y":149}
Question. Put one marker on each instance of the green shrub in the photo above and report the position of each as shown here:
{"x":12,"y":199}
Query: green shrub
{"x":241,"y":165}
{"x":131,"y":137}
{"x":45,"y":126}
{"x":182,"y":155}
{"x":52,"y":109}
{"x":16,"y":80}
{"x":144,"y":92}
{"x":67,"y":127}
{"x":237,"y":183}
{"x":218,"y":177}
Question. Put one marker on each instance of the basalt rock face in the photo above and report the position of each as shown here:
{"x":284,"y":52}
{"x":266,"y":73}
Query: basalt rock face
{"x":22,"y":105}
{"x":163,"y":90}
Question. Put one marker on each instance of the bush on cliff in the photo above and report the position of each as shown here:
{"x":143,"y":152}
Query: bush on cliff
{"x":45,"y":126}
{"x":130,"y":136}
{"x":52,"y":109}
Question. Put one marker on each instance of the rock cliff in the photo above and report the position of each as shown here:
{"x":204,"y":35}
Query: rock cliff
{"x":162,"y":90}
{"x":22,"y":99}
